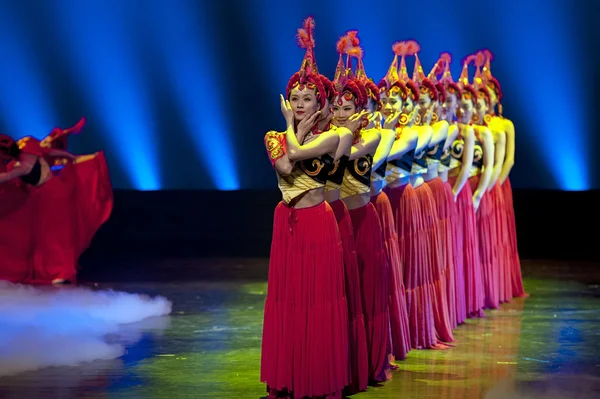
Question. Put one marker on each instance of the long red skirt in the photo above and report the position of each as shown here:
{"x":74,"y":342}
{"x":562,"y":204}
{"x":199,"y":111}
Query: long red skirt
{"x":516,"y":277}
{"x":359,"y":358}
{"x":445,"y":205}
{"x":466,"y":222}
{"x":305,"y":330}
{"x":374,"y":279}
{"x":486,"y":232}
{"x":412,"y":239}
{"x":400,"y":332}
{"x":502,"y":245}
{"x":435,"y":262}
{"x":457,"y":258}
{"x":54,"y":223}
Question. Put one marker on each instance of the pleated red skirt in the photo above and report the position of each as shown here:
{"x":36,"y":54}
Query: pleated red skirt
{"x":486,"y":232}
{"x":412,"y":239}
{"x":516,"y":276}
{"x":457,"y":258}
{"x":503,"y":260}
{"x":374,"y":279}
{"x":468,"y":239}
{"x":54,"y":224}
{"x":359,"y":358}
{"x":305,"y":330}
{"x":400,"y":332}
{"x":445,"y":210}
{"x":436,"y":261}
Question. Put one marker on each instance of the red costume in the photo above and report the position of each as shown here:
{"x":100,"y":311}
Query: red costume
{"x":44,"y":228}
{"x":305,"y":330}
{"x":507,"y":220}
{"x":412,"y":237}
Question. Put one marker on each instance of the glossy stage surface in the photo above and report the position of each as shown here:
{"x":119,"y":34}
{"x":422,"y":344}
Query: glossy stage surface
{"x":545,"y":346}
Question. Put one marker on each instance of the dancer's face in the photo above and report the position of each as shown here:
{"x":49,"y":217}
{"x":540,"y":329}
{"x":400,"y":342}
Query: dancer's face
{"x":304,"y":102}
{"x":464,"y":113}
{"x":482,"y":105}
{"x":450,"y":104}
{"x":390,"y":104}
{"x":343,"y":111}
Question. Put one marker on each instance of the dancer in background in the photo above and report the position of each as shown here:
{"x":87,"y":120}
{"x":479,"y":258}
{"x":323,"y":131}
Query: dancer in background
{"x":460,"y":105}
{"x":509,"y":160}
{"x":57,"y":213}
{"x":438,"y":159}
{"x":405,"y":204}
{"x":355,"y":192}
{"x":429,"y":213}
{"x":305,"y":333}
{"x":400,"y":333}
{"x":359,"y":360}
{"x":474,"y":106}
{"x":443,"y":265}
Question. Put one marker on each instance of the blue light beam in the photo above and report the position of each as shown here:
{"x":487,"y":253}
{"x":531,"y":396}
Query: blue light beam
{"x":24,"y":101}
{"x":560,"y":136}
{"x":194,"y":77}
{"x":96,"y":35}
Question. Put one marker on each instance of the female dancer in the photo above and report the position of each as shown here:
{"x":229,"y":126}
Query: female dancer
{"x":501,"y":265}
{"x":305,"y":333}
{"x":443,"y":265}
{"x":359,"y":364}
{"x":460,"y":104}
{"x":433,"y":245}
{"x":400,"y":333}
{"x":49,"y":218}
{"x":405,"y":204}
{"x":479,"y":178}
{"x":442,"y":158}
{"x":355,"y":192}
{"x":509,"y":159}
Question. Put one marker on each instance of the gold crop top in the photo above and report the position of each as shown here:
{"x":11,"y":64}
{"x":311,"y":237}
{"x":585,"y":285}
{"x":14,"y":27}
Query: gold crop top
{"x":307,"y":175}
{"x":357,"y":177}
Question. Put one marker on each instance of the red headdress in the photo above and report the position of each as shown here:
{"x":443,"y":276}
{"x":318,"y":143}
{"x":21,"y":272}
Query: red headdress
{"x":370,"y":87}
{"x":308,"y":75}
{"x":391,"y":78}
{"x":426,"y":86}
{"x":448,"y":83}
{"x":408,"y":48}
{"x":490,"y":81}
{"x":478,"y":82}
{"x":346,"y":85}
{"x":468,"y":91}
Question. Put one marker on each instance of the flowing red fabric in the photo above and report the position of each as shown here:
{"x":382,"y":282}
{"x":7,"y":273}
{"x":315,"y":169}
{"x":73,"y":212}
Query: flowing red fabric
{"x":457,"y":257}
{"x":412,"y":239}
{"x":44,"y":230}
{"x":446,"y":213}
{"x":467,"y":236}
{"x":374,"y":279}
{"x":400,"y":332}
{"x":502,"y":245}
{"x":487,"y":234}
{"x":516,"y":276}
{"x":305,"y":330}
{"x":359,"y":358}
{"x":436,"y":261}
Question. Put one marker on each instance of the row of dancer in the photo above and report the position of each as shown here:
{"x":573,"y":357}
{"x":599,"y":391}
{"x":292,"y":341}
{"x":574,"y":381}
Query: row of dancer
{"x":396,"y":223}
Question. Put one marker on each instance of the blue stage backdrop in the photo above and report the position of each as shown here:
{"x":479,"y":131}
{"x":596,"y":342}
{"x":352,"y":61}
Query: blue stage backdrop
{"x":179,"y":93}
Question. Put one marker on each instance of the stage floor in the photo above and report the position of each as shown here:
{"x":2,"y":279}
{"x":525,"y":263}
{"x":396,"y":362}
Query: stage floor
{"x":545,"y":346}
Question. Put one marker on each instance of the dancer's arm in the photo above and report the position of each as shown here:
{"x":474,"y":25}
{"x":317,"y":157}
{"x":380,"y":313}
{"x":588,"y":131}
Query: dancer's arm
{"x":487,"y":142}
{"x":468,"y":135}
{"x":509,"y":157}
